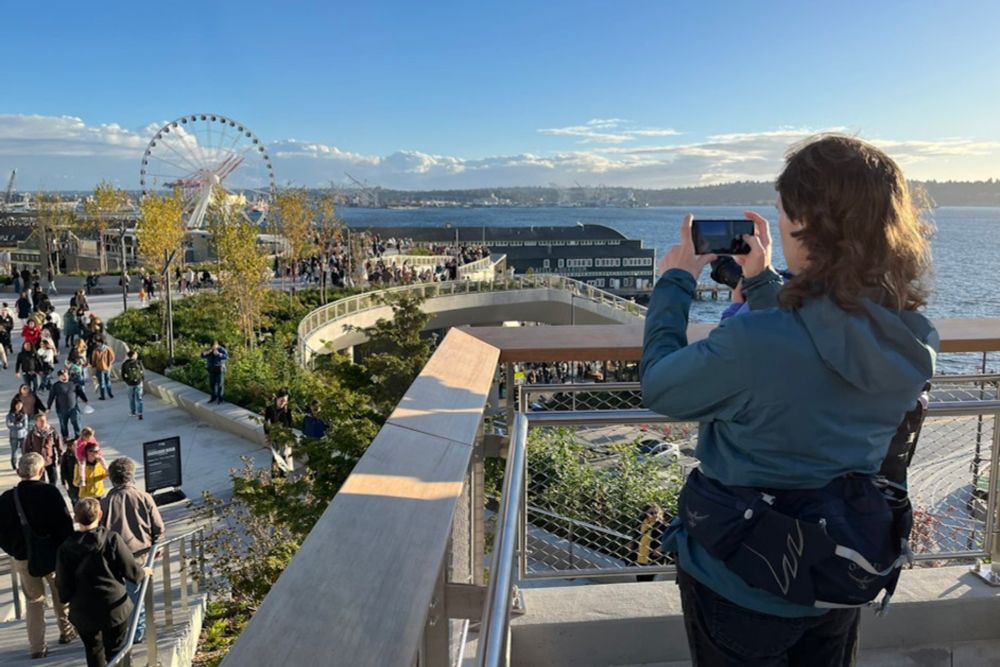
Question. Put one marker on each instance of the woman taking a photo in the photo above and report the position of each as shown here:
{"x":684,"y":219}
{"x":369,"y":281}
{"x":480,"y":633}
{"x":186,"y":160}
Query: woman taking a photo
{"x":800,"y":396}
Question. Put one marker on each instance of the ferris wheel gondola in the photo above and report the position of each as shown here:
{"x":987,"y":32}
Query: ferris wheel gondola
{"x":201,"y":153}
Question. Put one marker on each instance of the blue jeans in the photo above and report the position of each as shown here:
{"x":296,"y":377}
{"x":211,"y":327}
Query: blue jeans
{"x":66,"y":418}
{"x":216,"y":379}
{"x":104,"y":382}
{"x":31,"y":379}
{"x":133,"y":595}
{"x":723,"y":634}
{"x":135,"y":399}
{"x":15,"y":449}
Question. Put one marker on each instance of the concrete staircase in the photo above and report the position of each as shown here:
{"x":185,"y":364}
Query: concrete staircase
{"x":175,"y":646}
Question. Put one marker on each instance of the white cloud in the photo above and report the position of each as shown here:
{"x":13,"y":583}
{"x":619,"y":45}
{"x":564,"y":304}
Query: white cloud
{"x":608,"y":131}
{"x":64,"y":152}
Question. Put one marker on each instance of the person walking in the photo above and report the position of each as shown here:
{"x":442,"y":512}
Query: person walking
{"x":89,"y":475}
{"x":278,"y":413}
{"x":28,"y":363}
{"x":102,"y":359}
{"x":29,"y":399}
{"x":133,"y":374}
{"x":17,"y":425}
{"x":91,"y":569}
{"x":646,"y":547}
{"x":36,"y":512}
{"x":67,"y":469}
{"x":43,"y":440}
{"x":23,"y":306}
{"x":132,"y":513}
{"x":215,"y":358}
{"x":66,"y":395}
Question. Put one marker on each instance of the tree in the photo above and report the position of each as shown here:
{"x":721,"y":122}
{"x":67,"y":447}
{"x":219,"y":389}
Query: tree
{"x":160,"y":229}
{"x":101,"y":209}
{"x":51,"y":216}
{"x":329,"y":231}
{"x":294,"y":217}
{"x":243,"y":265}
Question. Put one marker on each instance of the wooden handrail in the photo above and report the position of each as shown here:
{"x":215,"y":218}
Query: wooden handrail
{"x":623,"y":342}
{"x":359,"y":590}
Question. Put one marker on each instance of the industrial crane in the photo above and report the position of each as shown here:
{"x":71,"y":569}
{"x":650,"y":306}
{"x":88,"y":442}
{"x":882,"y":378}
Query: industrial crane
{"x":370,"y":192}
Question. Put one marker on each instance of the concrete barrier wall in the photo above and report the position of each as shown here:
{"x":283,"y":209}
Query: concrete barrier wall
{"x":226,"y":417}
{"x":642,"y":623}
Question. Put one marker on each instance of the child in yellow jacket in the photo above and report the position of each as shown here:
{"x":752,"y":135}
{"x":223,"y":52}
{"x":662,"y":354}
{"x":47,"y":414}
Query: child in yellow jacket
{"x":89,"y":476}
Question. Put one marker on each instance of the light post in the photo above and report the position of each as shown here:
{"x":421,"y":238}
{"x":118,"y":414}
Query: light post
{"x":124,"y":278}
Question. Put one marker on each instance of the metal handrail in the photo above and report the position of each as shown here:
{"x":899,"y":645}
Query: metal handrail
{"x":125,"y":654}
{"x":133,"y":623}
{"x":353,"y":304}
{"x":493,"y":641}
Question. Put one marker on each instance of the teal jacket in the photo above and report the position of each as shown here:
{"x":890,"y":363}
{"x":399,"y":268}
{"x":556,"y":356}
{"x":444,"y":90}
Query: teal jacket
{"x":785,"y":398}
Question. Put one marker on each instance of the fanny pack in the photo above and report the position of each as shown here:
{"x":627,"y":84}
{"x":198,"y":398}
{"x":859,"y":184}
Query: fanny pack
{"x":838,"y":546}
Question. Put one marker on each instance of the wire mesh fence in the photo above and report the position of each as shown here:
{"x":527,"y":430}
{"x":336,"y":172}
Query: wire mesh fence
{"x":598,"y":495}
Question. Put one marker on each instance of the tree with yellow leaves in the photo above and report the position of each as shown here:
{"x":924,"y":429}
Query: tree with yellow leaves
{"x":243,"y":265}
{"x":51,"y":216}
{"x":101,"y":208}
{"x":294,"y":219}
{"x":328,"y":230}
{"x":160,"y":229}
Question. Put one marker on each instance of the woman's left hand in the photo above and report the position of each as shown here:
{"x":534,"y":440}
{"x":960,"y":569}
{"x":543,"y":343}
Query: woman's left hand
{"x":682,"y":256}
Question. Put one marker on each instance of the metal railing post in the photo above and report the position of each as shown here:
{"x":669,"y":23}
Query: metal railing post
{"x":150,"y":625}
{"x":991,"y":573}
{"x":182,"y":551}
{"x":168,"y":594}
{"x":15,"y":589}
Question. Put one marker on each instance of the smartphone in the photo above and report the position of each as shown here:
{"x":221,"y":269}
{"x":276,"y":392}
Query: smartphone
{"x":721,"y":237}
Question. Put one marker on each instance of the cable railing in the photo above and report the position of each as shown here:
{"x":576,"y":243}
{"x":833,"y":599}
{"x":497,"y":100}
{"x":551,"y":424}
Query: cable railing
{"x":573,"y":533}
{"x":358,"y":303}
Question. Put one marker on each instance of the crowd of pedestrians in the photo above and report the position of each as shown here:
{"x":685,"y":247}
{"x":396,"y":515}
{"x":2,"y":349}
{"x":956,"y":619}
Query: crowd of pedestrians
{"x":74,"y":523}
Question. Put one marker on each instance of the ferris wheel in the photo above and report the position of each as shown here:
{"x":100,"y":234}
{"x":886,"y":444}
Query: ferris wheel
{"x":202,"y":152}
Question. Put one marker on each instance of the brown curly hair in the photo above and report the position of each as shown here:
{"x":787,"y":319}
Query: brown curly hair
{"x":863,"y":234}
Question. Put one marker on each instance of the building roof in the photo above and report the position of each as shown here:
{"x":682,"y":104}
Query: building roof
{"x":476,"y":233}
{"x":521,"y":253}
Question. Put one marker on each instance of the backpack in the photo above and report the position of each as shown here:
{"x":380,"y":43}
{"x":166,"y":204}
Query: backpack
{"x":132,"y":372}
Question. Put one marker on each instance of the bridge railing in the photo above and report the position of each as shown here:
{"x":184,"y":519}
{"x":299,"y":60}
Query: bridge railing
{"x":352,"y":305}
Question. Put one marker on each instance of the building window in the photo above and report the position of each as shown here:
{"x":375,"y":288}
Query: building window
{"x":546,"y":264}
{"x":561,"y":263}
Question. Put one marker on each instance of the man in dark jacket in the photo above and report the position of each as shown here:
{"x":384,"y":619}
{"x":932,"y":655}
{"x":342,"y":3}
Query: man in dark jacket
{"x":27,"y":362}
{"x":91,"y":569}
{"x":65,"y":395}
{"x":45,"y":510}
{"x":279,"y":414}
{"x":215,"y":357}
{"x":43,"y":440}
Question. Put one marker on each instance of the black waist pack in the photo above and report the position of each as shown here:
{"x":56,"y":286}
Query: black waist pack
{"x":837,"y":546}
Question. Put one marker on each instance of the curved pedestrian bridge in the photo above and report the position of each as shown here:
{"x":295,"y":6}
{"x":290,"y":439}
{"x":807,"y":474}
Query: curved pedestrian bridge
{"x":545,"y":299}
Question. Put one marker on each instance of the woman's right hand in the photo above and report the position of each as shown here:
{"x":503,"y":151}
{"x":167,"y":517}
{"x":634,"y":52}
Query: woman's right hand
{"x":760,"y":247}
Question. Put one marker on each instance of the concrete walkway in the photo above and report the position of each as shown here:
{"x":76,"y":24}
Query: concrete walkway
{"x":207,"y":456}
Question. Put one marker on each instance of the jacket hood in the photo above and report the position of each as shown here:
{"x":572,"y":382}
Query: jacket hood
{"x":876,"y":349}
{"x":81,"y":543}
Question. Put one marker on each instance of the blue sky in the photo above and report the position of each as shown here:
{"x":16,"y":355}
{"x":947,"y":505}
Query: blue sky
{"x":457,"y":94}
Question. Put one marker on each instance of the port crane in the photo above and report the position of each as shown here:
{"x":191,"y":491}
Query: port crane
{"x":371,"y":193}
{"x":9,"y":195}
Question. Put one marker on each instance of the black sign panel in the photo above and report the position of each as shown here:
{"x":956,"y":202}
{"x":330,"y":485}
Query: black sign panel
{"x":162,"y":461}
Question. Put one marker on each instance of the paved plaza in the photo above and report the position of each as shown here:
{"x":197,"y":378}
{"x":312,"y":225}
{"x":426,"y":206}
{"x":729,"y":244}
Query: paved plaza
{"x":207,"y":456}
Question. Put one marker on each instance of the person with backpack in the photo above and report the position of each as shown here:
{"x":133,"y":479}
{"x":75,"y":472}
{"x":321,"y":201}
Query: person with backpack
{"x":759,"y":538}
{"x":35,"y":512}
{"x":91,"y":570}
{"x":23,"y":306}
{"x":133,"y":374}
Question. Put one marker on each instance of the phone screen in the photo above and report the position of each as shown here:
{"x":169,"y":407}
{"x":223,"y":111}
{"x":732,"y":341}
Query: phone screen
{"x":721,"y":237}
